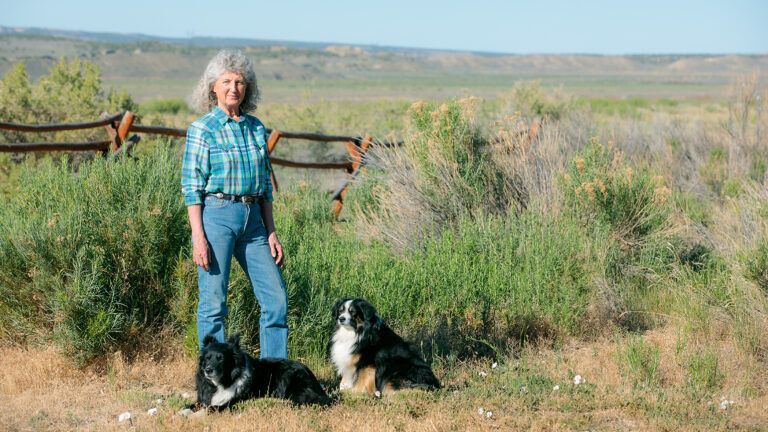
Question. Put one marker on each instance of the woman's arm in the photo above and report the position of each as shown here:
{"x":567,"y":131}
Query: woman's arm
{"x":194,"y":175}
{"x":199,"y":243}
{"x":269,"y":222}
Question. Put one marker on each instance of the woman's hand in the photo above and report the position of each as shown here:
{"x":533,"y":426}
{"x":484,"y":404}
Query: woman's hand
{"x":200,"y":252}
{"x":276,"y":249}
{"x":199,"y":242}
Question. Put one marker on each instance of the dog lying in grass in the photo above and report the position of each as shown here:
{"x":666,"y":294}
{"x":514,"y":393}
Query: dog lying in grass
{"x":370,"y":357}
{"x":226,"y":375}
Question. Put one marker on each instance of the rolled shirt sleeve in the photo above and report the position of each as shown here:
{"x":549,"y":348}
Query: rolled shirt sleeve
{"x":195,"y":167}
{"x":265,"y":170}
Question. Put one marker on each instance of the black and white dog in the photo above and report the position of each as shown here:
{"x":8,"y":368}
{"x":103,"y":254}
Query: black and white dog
{"x":370,"y":357}
{"x":226,"y":374}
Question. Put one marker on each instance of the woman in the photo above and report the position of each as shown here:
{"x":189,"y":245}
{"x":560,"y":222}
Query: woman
{"x":226,"y":185}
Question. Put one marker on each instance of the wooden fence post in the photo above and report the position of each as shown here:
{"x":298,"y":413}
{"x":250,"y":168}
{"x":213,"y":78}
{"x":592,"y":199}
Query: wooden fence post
{"x":274,"y":137}
{"x":111,"y":133}
{"x":357,"y":154}
{"x":118,"y":135}
{"x":125,"y":126}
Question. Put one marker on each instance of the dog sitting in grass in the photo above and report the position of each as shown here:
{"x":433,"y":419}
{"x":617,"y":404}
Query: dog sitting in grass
{"x":226,"y":375}
{"x":370,"y":357}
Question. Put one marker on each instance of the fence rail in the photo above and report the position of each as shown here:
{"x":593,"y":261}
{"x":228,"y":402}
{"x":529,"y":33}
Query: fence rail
{"x":60,"y":126}
{"x":118,"y":126}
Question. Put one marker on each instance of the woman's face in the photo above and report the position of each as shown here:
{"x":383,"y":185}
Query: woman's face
{"x":230,"y":91}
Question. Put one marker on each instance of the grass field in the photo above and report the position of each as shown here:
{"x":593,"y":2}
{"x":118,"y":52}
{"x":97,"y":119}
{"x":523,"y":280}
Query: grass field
{"x":532,"y":391}
{"x":434,"y":87}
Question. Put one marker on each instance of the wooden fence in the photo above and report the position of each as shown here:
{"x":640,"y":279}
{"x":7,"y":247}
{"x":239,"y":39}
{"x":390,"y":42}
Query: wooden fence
{"x":119,"y":126}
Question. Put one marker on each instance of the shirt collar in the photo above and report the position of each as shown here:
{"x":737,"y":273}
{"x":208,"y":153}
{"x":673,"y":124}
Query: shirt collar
{"x":223,"y":118}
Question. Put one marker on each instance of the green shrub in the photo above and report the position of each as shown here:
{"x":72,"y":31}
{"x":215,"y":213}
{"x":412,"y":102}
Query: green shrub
{"x":477,"y":289}
{"x":70,"y":92}
{"x":87,"y":256}
{"x":631,"y":208}
{"x":531,"y":100}
{"x":443,"y":173}
{"x":451,"y":169}
{"x":601,"y":188}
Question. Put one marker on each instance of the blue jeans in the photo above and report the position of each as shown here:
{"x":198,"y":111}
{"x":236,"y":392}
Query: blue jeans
{"x":234,"y":228}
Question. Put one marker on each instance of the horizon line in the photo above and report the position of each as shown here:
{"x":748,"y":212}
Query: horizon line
{"x":181,"y":39}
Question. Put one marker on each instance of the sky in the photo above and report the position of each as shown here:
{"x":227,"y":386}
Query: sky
{"x":519,"y":27}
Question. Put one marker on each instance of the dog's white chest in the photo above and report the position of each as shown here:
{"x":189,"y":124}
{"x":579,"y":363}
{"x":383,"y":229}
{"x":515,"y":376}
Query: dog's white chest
{"x":343,"y":342}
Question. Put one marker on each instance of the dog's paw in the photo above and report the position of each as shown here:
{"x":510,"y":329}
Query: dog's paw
{"x":222,"y":397}
{"x":345,"y":386}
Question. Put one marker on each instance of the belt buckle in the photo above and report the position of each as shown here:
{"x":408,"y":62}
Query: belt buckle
{"x":219,"y":195}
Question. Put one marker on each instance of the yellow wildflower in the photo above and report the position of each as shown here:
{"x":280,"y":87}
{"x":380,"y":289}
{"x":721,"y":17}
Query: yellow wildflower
{"x":579,"y":164}
{"x":418,"y":106}
{"x":601,"y":187}
{"x":589,"y":188}
{"x":661,"y":194}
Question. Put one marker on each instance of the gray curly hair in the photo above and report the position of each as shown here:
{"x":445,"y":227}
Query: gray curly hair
{"x":203,"y":97}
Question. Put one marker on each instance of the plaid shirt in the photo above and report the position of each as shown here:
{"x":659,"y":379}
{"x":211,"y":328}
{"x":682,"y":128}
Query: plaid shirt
{"x":225,"y":155}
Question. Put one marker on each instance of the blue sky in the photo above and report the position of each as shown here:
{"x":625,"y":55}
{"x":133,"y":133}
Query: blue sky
{"x":548,"y":26}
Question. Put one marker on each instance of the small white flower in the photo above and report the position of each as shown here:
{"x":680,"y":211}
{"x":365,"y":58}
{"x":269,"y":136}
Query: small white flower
{"x":489,"y":414}
{"x":152,"y":412}
{"x":494,"y":365}
{"x":159,"y":402}
{"x":480,"y":411}
{"x":724,"y":404}
{"x":523,"y":389}
{"x":185,"y":395}
{"x":556,"y":387}
{"x":124,"y":416}
{"x":185,"y":412}
{"x":578,"y":380}
{"x":483,"y":374}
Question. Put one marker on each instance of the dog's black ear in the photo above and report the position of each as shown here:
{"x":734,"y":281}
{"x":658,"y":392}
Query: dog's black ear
{"x":370,"y":315}
{"x":234,"y":340}
{"x":209,"y":339}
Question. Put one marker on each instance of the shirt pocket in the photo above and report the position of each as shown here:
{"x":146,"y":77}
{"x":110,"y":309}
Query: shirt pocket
{"x":222,"y":143}
{"x":260,"y":135}
{"x":222,"y":151}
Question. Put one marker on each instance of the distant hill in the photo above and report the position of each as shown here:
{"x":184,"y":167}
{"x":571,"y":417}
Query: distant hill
{"x":128,"y":58}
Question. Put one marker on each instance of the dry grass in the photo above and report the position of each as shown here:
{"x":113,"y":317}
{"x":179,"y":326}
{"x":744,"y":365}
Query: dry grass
{"x":40,"y":390}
